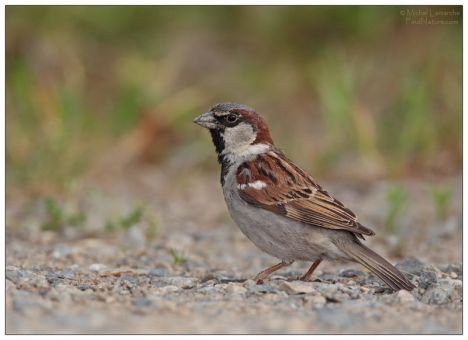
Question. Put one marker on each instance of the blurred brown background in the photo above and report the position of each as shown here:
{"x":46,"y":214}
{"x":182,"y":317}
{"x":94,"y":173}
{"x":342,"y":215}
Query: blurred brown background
{"x":353,"y":92}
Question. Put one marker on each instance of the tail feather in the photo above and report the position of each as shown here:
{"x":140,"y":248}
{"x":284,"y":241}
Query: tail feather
{"x":377,"y":265}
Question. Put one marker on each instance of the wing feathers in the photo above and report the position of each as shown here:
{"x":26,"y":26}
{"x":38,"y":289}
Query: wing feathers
{"x":287,"y":190}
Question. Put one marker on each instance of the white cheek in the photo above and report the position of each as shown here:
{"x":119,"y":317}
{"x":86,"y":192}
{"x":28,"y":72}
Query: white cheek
{"x":238,"y":136}
{"x":238,"y":145}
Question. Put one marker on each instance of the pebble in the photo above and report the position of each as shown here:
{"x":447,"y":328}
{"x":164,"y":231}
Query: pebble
{"x":262,"y":289}
{"x":296,"y":287}
{"x":315,"y":300}
{"x":18,"y":276}
{"x":335,"y":292}
{"x":54,"y":278}
{"x":454,"y":286}
{"x":446,"y":291}
{"x":158,"y":272}
{"x":249,"y":283}
{"x":128,"y":281}
{"x":181,"y":282}
{"x":411,"y":265}
{"x":141,"y":302}
{"x":211,"y":290}
{"x":404,"y":296}
{"x":351,"y":273}
{"x":456,"y":268}
{"x":364,"y":289}
{"x":435,"y":296}
{"x":168,"y":289}
{"x":97,"y":267}
{"x":85,"y":287}
{"x":427,"y":279}
{"x":232,"y":288}
{"x":61,"y":292}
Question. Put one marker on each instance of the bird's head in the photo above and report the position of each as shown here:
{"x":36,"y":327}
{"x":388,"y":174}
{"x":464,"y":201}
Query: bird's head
{"x":237,"y":130}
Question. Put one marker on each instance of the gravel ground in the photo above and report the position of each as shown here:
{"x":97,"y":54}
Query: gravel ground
{"x":194,"y":275}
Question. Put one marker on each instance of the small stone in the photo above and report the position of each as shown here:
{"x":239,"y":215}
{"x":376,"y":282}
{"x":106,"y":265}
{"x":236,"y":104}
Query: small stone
{"x":54,"y":278}
{"x":352,"y":291}
{"x":262,"y":289}
{"x":141,"y":302}
{"x":158,"y":272}
{"x":18,"y":276}
{"x":181,"y":282}
{"x":97,"y":267}
{"x":453,"y":275}
{"x":404,"y":296}
{"x":427,"y":279}
{"x":249,"y":283}
{"x":85,"y":287}
{"x":235,"y":289}
{"x":12,"y":274}
{"x":454,"y":286}
{"x":456,"y":268}
{"x":69,"y":275}
{"x":168,"y":289}
{"x":435,"y":296}
{"x":315,"y":300}
{"x":129,"y":281}
{"x":62,"y":293}
{"x":447,"y":290}
{"x":351,"y":273}
{"x":364,"y":289}
{"x":294,"y":287}
{"x":434,"y":269}
{"x":335,"y":292}
{"x":124,"y":292}
{"x":211,"y":290}
{"x":411,"y":265}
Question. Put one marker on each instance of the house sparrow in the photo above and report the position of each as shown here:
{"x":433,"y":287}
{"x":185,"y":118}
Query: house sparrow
{"x":278,"y":206}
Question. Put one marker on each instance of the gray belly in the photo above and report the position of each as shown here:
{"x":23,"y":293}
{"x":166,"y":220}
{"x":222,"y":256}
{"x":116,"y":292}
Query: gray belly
{"x":282,"y":237}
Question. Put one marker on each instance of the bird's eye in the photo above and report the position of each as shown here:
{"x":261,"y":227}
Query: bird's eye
{"x":231,"y":118}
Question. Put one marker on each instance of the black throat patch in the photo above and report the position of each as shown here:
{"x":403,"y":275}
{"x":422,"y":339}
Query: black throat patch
{"x":218,"y":142}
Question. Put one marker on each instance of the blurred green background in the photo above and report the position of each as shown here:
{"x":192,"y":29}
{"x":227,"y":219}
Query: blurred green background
{"x":349,"y":92}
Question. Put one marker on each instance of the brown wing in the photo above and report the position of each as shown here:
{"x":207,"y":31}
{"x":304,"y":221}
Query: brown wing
{"x":293,"y":194}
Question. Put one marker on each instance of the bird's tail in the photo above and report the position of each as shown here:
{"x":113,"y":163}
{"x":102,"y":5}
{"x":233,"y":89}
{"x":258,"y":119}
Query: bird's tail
{"x":376,"y":264}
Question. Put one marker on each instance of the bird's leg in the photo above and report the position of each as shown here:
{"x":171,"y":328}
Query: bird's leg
{"x":267,"y":272}
{"x":306,"y":276}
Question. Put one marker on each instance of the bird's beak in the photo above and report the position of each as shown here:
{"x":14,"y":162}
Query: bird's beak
{"x":206,"y":120}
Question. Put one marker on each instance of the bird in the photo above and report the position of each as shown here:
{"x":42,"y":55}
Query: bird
{"x":281,"y":208}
